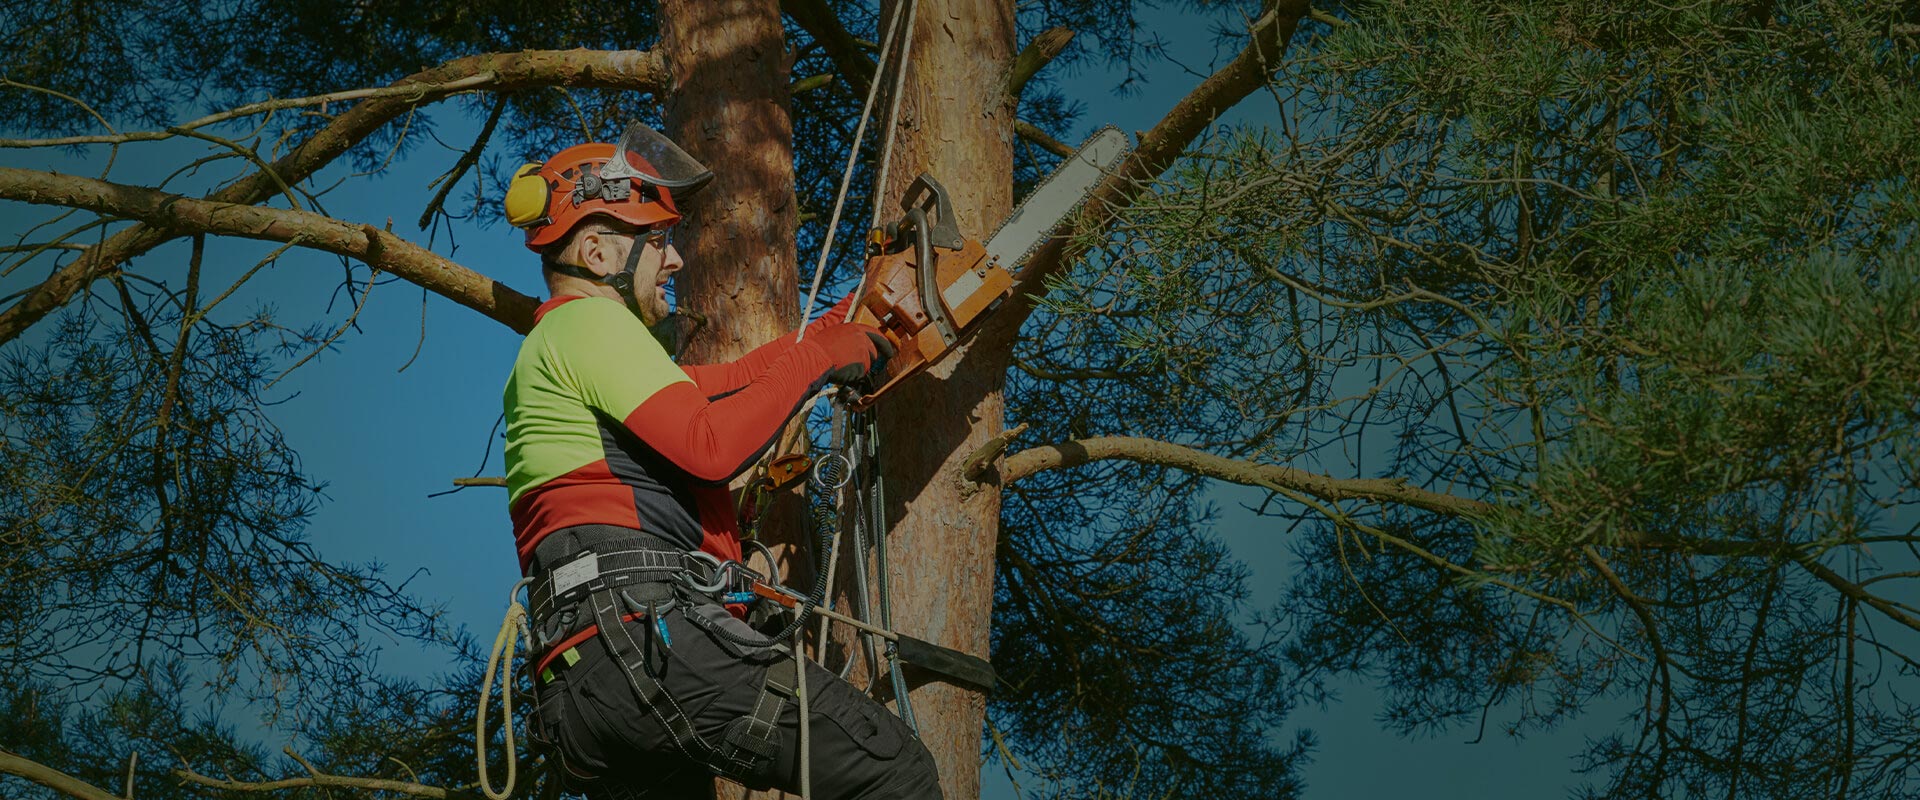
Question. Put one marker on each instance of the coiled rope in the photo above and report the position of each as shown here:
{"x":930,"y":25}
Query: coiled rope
{"x":503,"y":647}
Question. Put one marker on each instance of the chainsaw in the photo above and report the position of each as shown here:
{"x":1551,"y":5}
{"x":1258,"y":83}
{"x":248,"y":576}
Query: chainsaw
{"x":928,"y":287}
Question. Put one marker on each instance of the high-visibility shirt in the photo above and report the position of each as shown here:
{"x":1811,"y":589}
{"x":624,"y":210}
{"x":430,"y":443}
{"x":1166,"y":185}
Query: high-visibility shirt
{"x":604,"y":428}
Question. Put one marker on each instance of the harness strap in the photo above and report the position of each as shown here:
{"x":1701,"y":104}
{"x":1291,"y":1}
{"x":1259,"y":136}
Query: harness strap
{"x":752,"y":738}
{"x":758,"y":733}
{"x":632,"y":659}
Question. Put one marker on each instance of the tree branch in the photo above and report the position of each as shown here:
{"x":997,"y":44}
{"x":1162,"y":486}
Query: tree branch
{"x":628,"y":69}
{"x":1035,"y":56}
{"x":317,"y":778}
{"x":1032,"y":133}
{"x":1148,"y":451}
{"x":819,"y":21}
{"x":1160,"y":147}
{"x":466,"y":162}
{"x":51,"y":778}
{"x":184,"y":215}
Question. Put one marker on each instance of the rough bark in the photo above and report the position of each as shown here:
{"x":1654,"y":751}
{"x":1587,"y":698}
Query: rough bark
{"x":584,"y":68}
{"x":956,"y":122}
{"x":729,"y":107}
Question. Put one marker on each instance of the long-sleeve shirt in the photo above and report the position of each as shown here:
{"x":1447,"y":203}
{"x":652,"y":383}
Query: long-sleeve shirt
{"x":604,"y":428}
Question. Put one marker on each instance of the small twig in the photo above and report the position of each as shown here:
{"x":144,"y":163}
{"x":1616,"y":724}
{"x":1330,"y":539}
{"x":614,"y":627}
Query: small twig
{"x":133,"y":760}
{"x":365,"y":296}
{"x":1327,"y":18}
{"x":810,"y":83}
{"x":421,"y":343}
{"x":303,"y":762}
{"x":466,"y":162}
{"x":485,"y":480}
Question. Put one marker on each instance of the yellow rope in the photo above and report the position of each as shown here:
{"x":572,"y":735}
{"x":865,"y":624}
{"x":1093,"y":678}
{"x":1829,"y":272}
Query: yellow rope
{"x":503,"y":643}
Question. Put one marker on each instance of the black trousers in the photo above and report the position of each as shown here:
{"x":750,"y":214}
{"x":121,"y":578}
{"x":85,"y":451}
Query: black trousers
{"x":612,"y":748}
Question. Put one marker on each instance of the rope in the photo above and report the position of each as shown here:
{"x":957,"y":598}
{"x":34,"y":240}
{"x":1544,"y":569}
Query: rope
{"x":846,"y":176}
{"x":503,"y":644}
{"x":886,"y":150}
{"x":806,"y":727}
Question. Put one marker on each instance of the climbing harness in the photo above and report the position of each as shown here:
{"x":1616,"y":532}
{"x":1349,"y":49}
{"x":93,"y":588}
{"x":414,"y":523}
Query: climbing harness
{"x":632,"y":576}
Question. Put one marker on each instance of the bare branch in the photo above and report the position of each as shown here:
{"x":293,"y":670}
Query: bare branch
{"x":415,"y":91}
{"x":317,"y":778}
{"x":52,"y":778}
{"x":1854,"y":591}
{"x":630,"y":69}
{"x":976,"y":464}
{"x":185,"y":215}
{"x":1148,"y":451}
{"x":466,"y":162}
{"x":819,"y":21}
{"x":1034,"y":57}
{"x":1032,"y":133}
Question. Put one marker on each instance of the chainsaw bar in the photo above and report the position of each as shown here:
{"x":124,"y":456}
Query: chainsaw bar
{"x":1058,"y":197}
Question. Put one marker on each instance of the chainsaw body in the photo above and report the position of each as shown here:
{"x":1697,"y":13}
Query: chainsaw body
{"x":927,"y":287}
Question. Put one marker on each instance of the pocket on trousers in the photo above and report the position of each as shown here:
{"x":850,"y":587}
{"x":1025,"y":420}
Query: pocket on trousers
{"x":867,"y":723}
{"x":548,"y":717}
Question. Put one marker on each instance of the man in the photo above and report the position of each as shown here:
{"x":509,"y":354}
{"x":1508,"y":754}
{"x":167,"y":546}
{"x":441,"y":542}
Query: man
{"x":617,"y":468}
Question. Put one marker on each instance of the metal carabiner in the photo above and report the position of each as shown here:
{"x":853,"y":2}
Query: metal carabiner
{"x":831,"y":471}
{"x":721,"y":573}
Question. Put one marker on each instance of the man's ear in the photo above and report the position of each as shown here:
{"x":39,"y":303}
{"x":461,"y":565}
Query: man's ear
{"x":596,"y":251}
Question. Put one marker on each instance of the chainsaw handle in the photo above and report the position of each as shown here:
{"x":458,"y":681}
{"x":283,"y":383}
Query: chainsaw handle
{"x":945,"y":230}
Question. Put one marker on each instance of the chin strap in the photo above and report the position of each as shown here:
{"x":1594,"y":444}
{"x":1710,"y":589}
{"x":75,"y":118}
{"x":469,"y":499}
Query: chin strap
{"x":622,"y":281}
{"x":667,"y":331}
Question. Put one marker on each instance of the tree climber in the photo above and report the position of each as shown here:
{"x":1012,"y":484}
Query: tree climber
{"x":617,"y":467}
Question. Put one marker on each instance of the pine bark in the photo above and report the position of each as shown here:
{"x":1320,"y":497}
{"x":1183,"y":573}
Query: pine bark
{"x":728,"y":106}
{"x":956,"y":123}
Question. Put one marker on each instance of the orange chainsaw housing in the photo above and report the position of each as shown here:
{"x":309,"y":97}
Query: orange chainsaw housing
{"x":970,"y":285}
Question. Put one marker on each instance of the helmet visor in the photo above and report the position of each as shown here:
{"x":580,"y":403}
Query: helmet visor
{"x":643,"y":154}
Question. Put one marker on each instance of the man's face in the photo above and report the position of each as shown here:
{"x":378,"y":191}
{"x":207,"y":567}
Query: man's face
{"x":607,"y":254}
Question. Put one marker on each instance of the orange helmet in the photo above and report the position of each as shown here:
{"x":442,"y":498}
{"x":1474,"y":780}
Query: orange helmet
{"x":633,"y":182}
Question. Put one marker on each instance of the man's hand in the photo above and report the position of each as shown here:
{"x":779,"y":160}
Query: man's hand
{"x":856,"y":350}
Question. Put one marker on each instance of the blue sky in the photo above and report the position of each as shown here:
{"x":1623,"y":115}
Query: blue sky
{"x":384,"y":439}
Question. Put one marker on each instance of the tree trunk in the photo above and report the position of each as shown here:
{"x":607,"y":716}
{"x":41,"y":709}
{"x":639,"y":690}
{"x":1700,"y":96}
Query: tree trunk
{"x":728,"y":106}
{"x":956,"y":123}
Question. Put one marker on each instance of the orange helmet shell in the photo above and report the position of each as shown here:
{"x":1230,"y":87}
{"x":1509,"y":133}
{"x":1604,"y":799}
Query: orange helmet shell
{"x":569,"y":183}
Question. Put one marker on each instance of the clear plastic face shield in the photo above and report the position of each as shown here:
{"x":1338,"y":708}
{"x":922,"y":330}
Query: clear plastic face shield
{"x":672,"y":167}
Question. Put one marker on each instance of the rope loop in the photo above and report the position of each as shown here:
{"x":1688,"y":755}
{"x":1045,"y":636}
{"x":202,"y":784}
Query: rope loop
{"x":503,"y":648}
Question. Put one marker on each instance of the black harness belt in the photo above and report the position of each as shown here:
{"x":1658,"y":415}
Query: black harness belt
{"x":622,"y":575}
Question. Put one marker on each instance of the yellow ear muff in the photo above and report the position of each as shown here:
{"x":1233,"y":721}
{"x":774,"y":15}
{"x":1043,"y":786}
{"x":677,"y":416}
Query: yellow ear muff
{"x":527,"y":197}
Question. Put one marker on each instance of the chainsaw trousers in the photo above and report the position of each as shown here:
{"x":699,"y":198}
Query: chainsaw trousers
{"x":612,"y":747}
